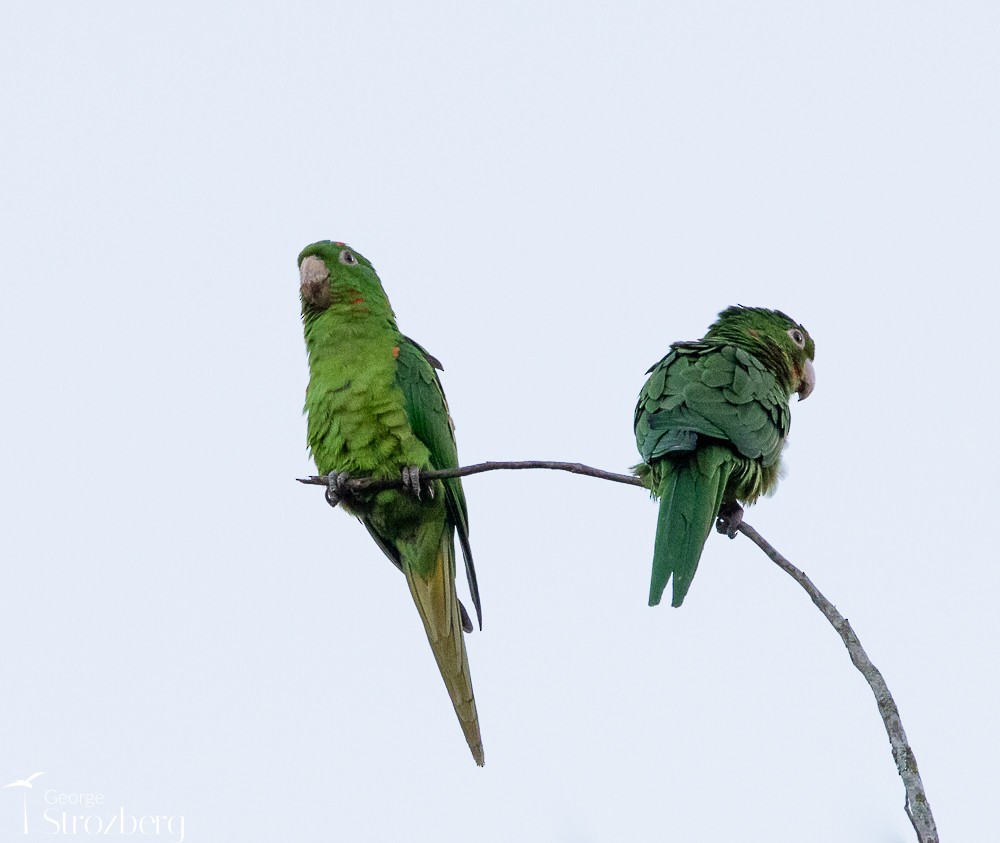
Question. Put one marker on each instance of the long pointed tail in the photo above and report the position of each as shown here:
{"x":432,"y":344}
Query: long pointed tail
{"x":690,"y":492}
{"x":437,"y":602}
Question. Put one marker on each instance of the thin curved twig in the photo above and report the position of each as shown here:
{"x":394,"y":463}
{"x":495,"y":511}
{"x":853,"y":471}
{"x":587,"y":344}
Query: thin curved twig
{"x":361,"y":485}
{"x":916,"y":805}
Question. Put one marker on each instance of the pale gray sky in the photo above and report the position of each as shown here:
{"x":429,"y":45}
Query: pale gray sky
{"x":552,"y":193}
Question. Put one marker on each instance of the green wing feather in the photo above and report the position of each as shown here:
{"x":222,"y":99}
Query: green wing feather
{"x":426,"y":555}
{"x":716,"y":391}
{"x":427,"y":410}
{"x":711,"y":422}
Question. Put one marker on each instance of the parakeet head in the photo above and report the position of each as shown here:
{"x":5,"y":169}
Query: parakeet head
{"x":332,"y":274}
{"x":775,"y":339}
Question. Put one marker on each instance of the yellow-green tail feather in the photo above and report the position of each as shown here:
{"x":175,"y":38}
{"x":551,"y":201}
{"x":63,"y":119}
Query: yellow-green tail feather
{"x":437,"y":602}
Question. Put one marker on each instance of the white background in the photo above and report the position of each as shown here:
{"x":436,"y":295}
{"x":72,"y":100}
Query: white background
{"x":552,"y":193}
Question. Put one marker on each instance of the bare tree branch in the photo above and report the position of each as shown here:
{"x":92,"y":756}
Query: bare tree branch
{"x":916,"y":805}
{"x":364,"y":485}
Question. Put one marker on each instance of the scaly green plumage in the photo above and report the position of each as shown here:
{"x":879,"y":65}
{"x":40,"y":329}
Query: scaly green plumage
{"x":711,"y":422}
{"x":375,"y":406}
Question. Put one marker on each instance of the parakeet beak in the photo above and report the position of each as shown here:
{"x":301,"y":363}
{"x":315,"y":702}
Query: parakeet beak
{"x":808,"y":382}
{"x":313,"y":278}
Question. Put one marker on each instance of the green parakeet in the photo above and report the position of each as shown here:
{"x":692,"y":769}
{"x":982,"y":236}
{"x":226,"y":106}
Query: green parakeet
{"x":376,"y":409}
{"x":710,"y":424}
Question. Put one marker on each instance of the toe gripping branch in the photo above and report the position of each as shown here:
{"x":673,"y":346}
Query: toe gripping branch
{"x":342,"y":488}
{"x":414,"y":484}
{"x":730,"y":518}
{"x":338,"y":488}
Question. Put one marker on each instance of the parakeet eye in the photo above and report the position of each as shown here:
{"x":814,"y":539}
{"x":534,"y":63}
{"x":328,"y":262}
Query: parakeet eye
{"x":348,"y":258}
{"x":797,"y":337}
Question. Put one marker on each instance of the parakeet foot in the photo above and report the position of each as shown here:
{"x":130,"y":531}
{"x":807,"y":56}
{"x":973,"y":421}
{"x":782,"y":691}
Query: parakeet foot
{"x":337,"y":488}
{"x":730,"y":518}
{"x":412,"y":482}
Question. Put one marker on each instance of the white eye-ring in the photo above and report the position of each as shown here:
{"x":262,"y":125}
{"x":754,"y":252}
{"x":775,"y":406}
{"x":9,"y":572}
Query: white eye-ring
{"x":797,"y":337}
{"x":347,"y":258}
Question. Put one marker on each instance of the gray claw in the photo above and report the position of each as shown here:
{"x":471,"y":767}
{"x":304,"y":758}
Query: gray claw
{"x":336,"y":487}
{"x":414,"y":484}
{"x":730,"y":518}
{"x":411,"y":480}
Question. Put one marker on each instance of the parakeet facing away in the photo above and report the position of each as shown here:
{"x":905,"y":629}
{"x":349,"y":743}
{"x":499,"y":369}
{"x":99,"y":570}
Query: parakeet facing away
{"x":376,"y":409}
{"x":710,"y":424}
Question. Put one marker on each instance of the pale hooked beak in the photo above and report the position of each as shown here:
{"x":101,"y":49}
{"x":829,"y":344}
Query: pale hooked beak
{"x":313,"y":276}
{"x":808,"y":383}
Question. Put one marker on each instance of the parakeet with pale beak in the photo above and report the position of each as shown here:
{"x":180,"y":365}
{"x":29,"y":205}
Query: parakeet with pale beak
{"x":376,"y":409}
{"x":711,"y":422}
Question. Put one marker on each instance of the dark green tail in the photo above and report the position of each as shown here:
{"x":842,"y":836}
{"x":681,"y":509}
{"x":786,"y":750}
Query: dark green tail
{"x":690,"y":491}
